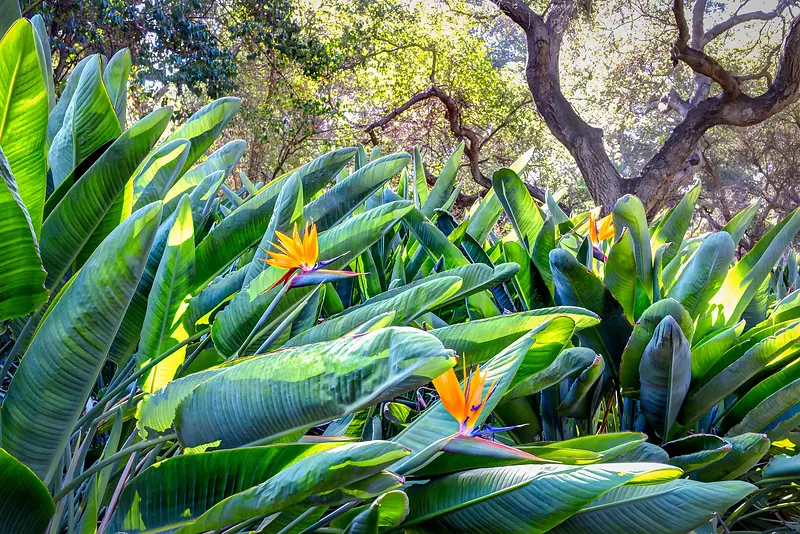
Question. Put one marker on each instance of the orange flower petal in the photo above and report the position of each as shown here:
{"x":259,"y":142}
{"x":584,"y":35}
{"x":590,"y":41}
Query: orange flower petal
{"x":450,"y":393}
{"x":475,"y":410}
{"x":592,"y":229}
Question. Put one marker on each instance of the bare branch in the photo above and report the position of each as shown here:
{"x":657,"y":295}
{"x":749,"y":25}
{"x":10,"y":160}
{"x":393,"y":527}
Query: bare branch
{"x":741,"y":18}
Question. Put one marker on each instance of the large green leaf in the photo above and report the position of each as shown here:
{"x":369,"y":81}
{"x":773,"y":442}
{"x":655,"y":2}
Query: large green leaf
{"x":270,"y":396}
{"x":770,"y":409}
{"x":9,"y":15}
{"x":71,"y":224}
{"x":445,"y":183}
{"x":744,"y":279}
{"x":702,"y":277}
{"x":23,"y":116}
{"x":706,"y":353}
{"x":569,"y":363}
{"x":676,"y":506}
{"x":224,"y":159}
{"x":522,"y":211}
{"x":747,"y":451}
{"x":22,"y":283}
{"x":25,"y":504}
{"x":158,"y":172}
{"x":672,"y":228}
{"x":576,"y":286}
{"x":696,"y":451}
{"x":312,"y":476}
{"x":45,"y":57}
{"x":90,"y":122}
{"x":480,"y":340}
{"x":738,"y":225}
{"x":629,"y":213}
{"x":420,"y":180}
{"x":344,"y":197}
{"x":620,"y":274}
{"x":350,"y":239}
{"x":485,"y":217}
{"x":245,"y":226}
{"x":59,"y":369}
{"x":203,"y":128}
{"x":770,"y":352}
{"x":519,"y":499}
{"x":115,"y":77}
{"x":167,"y":302}
{"x":642,"y":334}
{"x":175,"y":492}
{"x":665,"y":372}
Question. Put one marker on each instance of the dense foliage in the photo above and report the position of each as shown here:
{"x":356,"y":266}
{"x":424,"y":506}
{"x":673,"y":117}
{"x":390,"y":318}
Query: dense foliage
{"x":162,"y":373}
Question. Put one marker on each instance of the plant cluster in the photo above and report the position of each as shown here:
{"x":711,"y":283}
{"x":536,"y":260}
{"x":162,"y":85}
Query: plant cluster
{"x":180,"y":356}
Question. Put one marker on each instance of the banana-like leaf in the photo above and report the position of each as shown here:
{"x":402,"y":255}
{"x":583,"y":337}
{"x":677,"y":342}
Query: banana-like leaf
{"x":445,"y":183}
{"x":348,"y":240}
{"x":243,"y":229}
{"x":523,"y":281}
{"x":167,"y":302}
{"x":522,"y":211}
{"x":115,"y":78}
{"x":90,"y":122}
{"x":224,"y":159}
{"x":672,"y":228}
{"x":703,"y":275}
{"x":696,"y":451}
{"x":420,"y":180}
{"x":644,"y":452}
{"x":45,"y":57}
{"x":540,"y":255}
{"x":270,"y":396}
{"x":58,"y":372}
{"x":583,"y":394}
{"x":769,"y":409}
{"x":706,"y":353}
{"x":71,"y":224}
{"x":641,"y":336}
{"x":311,"y":476}
{"x":588,"y":449}
{"x":388,"y":510}
{"x":212,"y":297}
{"x":158,"y":172}
{"x":56,"y":118}
{"x":22,"y":284}
{"x":768,"y":353}
{"x":515,"y":499}
{"x":568,"y":364}
{"x":620,"y":274}
{"x":740,"y":222}
{"x":23,"y":115}
{"x":782,"y":466}
{"x":676,"y":506}
{"x":155,"y":414}
{"x":344,"y":197}
{"x":25,"y":504}
{"x":485,"y":217}
{"x":747,"y":450}
{"x":203,"y":128}
{"x":175,"y":492}
{"x":576,"y":286}
{"x":480,"y":340}
{"x":9,"y":15}
{"x":744,"y":279}
{"x":665,"y":372}
{"x":629,"y":213}
{"x":767,"y":388}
